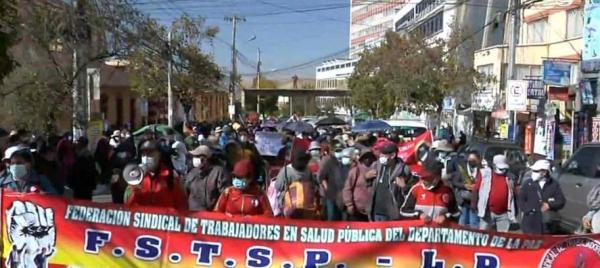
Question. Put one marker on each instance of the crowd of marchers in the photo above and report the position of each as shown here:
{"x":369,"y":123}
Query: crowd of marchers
{"x":329,"y":174}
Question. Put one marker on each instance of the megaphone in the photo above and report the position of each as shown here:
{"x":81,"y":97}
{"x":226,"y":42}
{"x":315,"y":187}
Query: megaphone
{"x":133,"y":174}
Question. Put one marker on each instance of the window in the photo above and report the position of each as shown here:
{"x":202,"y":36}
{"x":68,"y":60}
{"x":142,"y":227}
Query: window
{"x":584,"y":163}
{"x":527,"y":71}
{"x":536,"y":31}
{"x":574,"y":23}
{"x":485,"y":69}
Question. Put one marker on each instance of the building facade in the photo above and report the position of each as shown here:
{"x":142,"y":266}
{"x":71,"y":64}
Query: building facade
{"x":334,"y":74}
{"x":369,"y":21}
{"x":549,"y":31}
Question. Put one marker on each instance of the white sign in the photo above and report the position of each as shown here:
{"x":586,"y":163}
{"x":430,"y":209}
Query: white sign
{"x":482,"y":101}
{"x":539,"y":143}
{"x":268,"y":143}
{"x":516,"y":95}
{"x":231,"y":109}
{"x":449,"y":104}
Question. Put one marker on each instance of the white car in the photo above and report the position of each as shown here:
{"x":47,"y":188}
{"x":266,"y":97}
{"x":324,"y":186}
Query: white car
{"x":408,"y":128}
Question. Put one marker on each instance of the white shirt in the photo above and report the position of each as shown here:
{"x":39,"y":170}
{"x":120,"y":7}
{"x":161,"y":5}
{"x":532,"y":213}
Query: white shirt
{"x":542,"y":182}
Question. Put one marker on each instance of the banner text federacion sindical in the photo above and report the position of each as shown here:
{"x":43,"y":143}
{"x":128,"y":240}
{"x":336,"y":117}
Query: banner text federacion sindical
{"x":65,"y":233}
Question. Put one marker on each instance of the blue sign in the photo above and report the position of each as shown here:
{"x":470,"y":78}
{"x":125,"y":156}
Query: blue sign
{"x":557,"y":73}
{"x":591,"y":38}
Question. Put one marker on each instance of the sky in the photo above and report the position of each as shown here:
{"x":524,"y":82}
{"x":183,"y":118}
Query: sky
{"x":288,"y":32}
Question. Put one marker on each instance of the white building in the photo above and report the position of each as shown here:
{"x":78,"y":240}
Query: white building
{"x":436,"y":19}
{"x":334,"y":74}
{"x":370,"y":20}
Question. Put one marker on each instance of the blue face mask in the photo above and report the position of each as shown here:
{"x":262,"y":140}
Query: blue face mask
{"x":18,"y":171}
{"x":239,"y":183}
{"x":338,"y":155}
{"x":346,"y":161}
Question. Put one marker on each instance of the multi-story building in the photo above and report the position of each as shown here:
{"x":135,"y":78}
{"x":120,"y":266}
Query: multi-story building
{"x":549,"y":31}
{"x":439,"y":18}
{"x":334,"y":74}
{"x":369,"y":21}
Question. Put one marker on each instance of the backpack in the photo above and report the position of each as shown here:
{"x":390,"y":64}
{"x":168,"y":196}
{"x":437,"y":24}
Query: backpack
{"x":301,"y":200}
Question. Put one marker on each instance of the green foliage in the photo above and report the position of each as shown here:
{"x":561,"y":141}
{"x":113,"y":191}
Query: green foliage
{"x":413,"y":72}
{"x":193,"y":70}
{"x":8,"y":35}
{"x":38,"y":91}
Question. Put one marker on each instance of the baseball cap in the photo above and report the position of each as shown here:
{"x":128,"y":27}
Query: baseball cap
{"x":202,"y":150}
{"x":500,"y":161}
{"x":541,"y":165}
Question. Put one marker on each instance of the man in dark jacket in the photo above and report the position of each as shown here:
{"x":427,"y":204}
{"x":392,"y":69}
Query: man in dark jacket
{"x":463,"y":179}
{"x":205,"y":182}
{"x":540,"y":199}
{"x":389,"y":184}
{"x":84,"y":174}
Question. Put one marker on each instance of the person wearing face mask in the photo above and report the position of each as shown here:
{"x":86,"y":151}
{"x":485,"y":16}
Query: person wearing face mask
{"x":298,"y":173}
{"x":83,"y":175}
{"x":389,"y":183}
{"x":430,"y":200}
{"x":355,"y":194}
{"x":21,"y":176}
{"x":244,"y":197}
{"x":205,"y":182}
{"x":160,"y":185}
{"x":316,"y":153}
{"x":332,"y":177}
{"x":463,"y":180}
{"x":540,"y":199}
{"x":493,"y":197}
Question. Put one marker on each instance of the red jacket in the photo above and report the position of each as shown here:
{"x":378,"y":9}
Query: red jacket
{"x":156,"y":192}
{"x":249,"y":202}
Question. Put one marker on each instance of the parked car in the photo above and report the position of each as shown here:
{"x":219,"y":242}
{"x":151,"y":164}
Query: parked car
{"x":407,"y":128}
{"x":488,"y":148}
{"x":577,"y":177}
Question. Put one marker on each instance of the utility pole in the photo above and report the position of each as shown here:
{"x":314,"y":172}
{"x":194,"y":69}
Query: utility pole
{"x":170,"y":96}
{"x":234,"y":20}
{"x":79,"y":79}
{"x":258,"y":82}
{"x":512,"y":52}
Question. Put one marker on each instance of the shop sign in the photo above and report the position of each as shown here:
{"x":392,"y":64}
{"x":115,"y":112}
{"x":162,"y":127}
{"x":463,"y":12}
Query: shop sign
{"x":557,"y":73}
{"x":482,"y":101}
{"x":535,"y":89}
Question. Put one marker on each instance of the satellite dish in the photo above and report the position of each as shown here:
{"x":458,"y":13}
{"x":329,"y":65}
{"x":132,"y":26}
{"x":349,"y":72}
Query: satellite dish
{"x":133,"y":174}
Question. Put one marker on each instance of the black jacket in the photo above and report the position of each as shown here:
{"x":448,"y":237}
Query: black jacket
{"x":530,"y":200}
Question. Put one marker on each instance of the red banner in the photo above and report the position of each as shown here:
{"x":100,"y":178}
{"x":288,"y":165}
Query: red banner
{"x":408,"y":150}
{"x":39,"y":229}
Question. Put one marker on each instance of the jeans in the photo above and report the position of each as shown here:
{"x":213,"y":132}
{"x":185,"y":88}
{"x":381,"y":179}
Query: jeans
{"x":500,"y":221}
{"x":380,"y":217}
{"x":333,"y":212}
{"x":468,"y":217}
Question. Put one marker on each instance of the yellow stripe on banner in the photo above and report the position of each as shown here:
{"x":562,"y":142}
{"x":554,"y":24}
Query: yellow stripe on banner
{"x":300,"y":195}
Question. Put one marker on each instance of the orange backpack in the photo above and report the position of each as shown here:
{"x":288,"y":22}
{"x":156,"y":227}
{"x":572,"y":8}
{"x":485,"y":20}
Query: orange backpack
{"x":301,"y":200}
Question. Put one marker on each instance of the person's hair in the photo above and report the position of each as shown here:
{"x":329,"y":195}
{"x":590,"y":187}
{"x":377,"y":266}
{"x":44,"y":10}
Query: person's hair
{"x":25,"y":154}
{"x":475,"y":153}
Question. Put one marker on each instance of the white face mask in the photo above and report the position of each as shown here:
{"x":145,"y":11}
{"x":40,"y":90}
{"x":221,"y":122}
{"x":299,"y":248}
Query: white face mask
{"x":346,"y":161}
{"x":536,"y":175}
{"x":383,"y":160}
{"x":315,"y":153}
{"x":149,"y":162}
{"x":197,"y":162}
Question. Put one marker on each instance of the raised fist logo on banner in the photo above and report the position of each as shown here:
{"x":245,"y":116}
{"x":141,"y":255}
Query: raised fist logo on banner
{"x":32,"y":234}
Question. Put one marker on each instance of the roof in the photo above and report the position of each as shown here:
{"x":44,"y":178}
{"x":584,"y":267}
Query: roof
{"x":406,"y":123}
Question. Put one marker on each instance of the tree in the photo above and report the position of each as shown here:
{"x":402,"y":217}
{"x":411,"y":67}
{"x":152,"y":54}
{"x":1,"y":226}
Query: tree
{"x":193,"y":70}
{"x":368,"y":89}
{"x":49,"y":32}
{"x":414,"y":72}
{"x":8,"y":36}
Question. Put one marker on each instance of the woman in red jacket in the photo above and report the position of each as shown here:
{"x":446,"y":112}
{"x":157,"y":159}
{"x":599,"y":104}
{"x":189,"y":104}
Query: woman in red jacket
{"x":245,"y":197}
{"x":160,"y":186}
